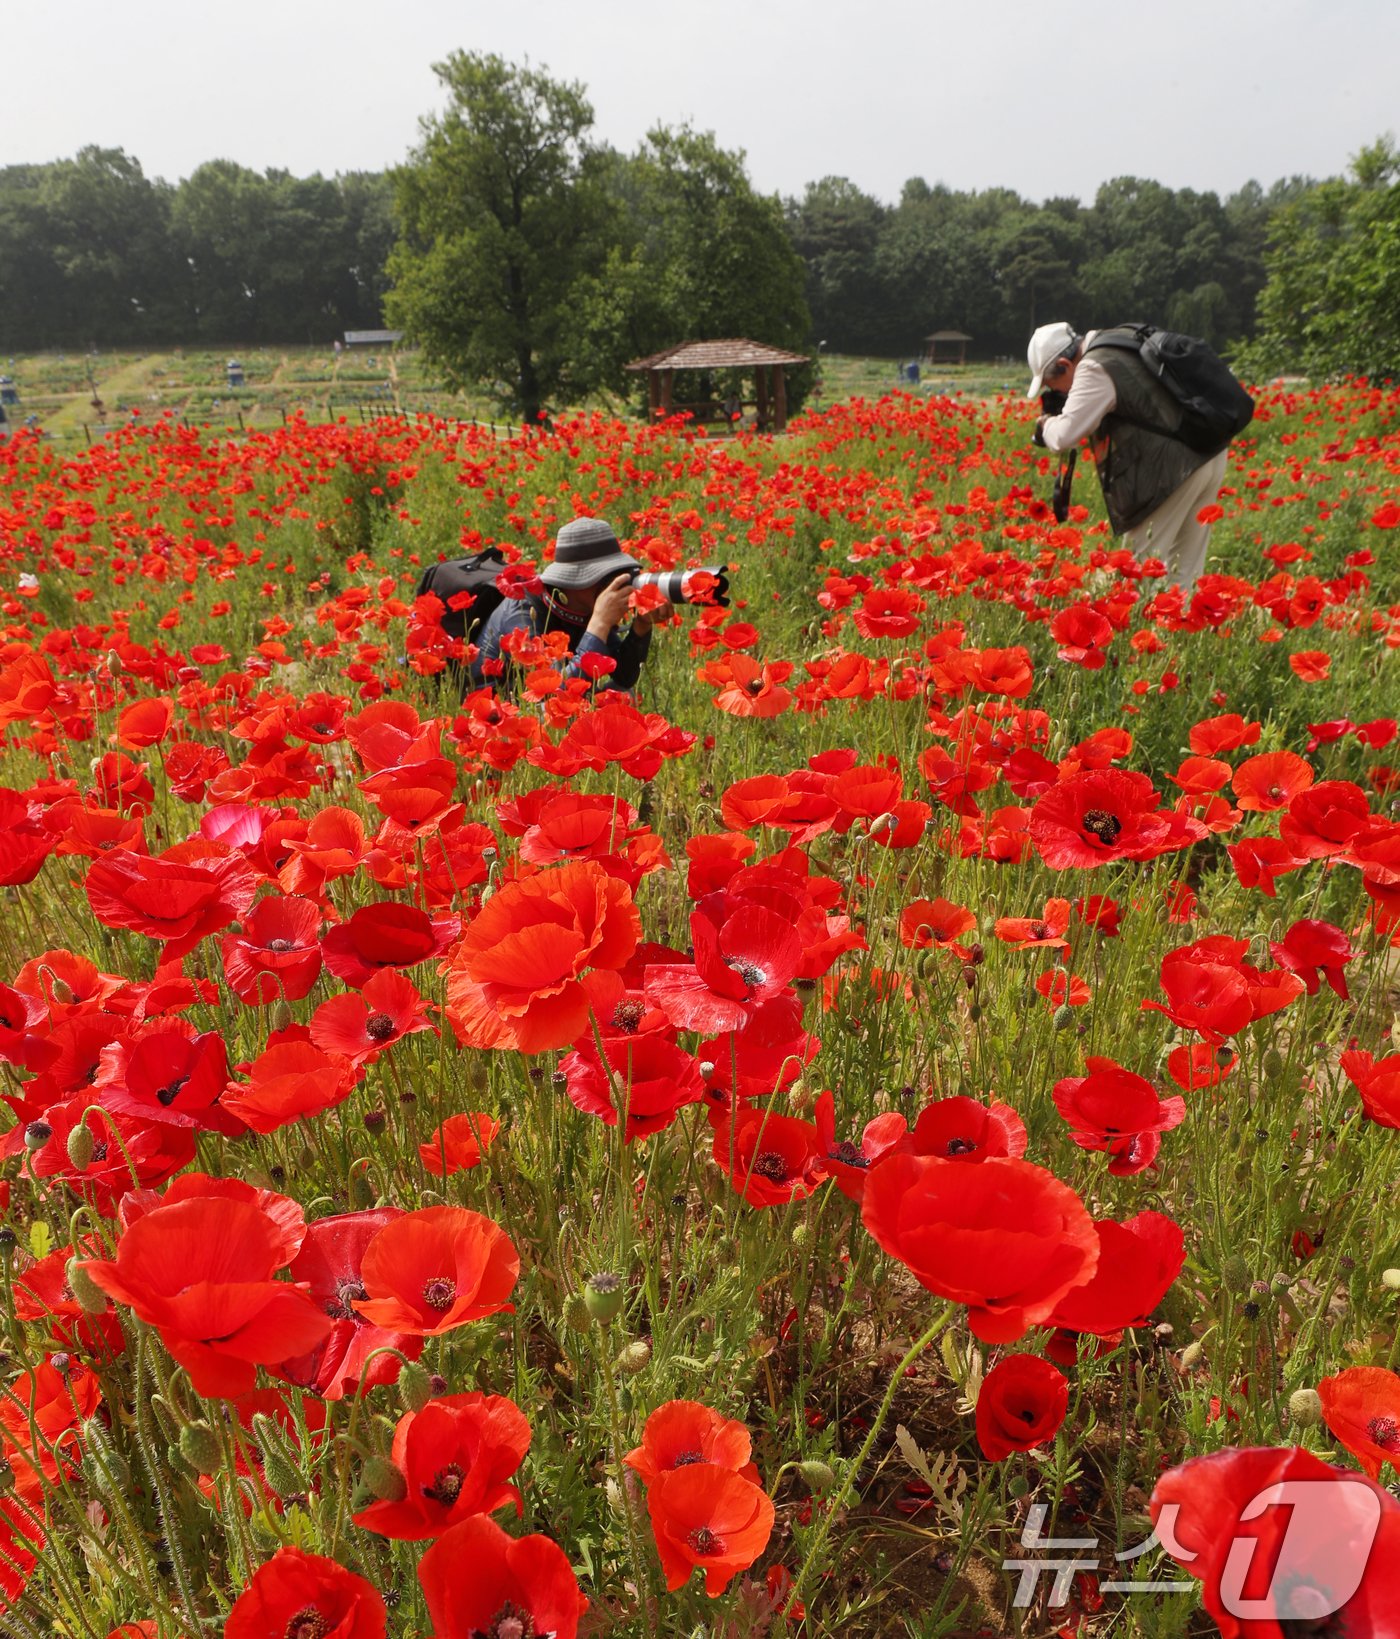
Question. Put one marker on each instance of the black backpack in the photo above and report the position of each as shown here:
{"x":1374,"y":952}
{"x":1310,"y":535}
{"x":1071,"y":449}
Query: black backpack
{"x":475,"y":574}
{"x":1215,"y":407}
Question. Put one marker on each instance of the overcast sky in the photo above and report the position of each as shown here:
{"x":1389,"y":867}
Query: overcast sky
{"x":1203,"y":94}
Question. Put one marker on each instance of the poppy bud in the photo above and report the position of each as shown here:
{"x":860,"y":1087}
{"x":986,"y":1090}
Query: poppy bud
{"x":1018,"y":1485}
{"x":1305,"y":1408}
{"x":800,"y":1097}
{"x":800,"y":1237}
{"x":82,"y":1146}
{"x":1390,"y":1279}
{"x":603,"y":1296}
{"x":1192,"y":1356}
{"x":61,"y":990}
{"x":201,"y":1448}
{"x":280,"y":1014}
{"x":384,"y":1480}
{"x":415,"y":1386}
{"x":616,"y":1501}
{"x":1063,"y":1017}
{"x":1273,"y":1062}
{"x":576,"y":1315}
{"x":89,"y":1297}
{"x":635,"y":1357}
{"x":883,"y":823}
{"x":280,"y":1468}
{"x":1235,"y":1275}
{"x":816,"y":1474}
{"x":969,"y":976}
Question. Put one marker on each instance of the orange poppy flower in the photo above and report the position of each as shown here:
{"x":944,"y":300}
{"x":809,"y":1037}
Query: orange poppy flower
{"x":708,"y":1516}
{"x":1271,"y":781}
{"x":683,"y":1432}
{"x":436,"y":1269}
{"x":1361,"y":1406}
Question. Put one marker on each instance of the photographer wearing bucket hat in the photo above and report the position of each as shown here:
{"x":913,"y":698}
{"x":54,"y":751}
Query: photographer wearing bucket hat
{"x":585,"y":593}
{"x":1153,"y":484}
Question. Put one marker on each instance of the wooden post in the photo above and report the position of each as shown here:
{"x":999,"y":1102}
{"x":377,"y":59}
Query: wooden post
{"x":653,"y":393}
{"x":780,"y":399}
{"x":760,"y":378}
{"x":668,"y":378}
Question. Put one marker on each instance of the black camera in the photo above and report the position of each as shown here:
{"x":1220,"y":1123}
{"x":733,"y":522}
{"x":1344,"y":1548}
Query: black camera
{"x":1052,"y":402}
{"x":685,"y":586}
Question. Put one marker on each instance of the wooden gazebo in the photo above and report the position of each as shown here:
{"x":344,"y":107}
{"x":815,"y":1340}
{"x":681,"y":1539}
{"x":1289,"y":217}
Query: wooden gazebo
{"x":764,"y":364}
{"x":952,"y":341}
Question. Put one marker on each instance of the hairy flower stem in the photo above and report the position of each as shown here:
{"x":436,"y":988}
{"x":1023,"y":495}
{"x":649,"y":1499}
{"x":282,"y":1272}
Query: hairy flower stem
{"x":640,"y":1569}
{"x":842,"y":1493}
{"x":154,"y":1460}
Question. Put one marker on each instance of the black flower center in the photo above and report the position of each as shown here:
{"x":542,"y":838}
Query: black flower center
{"x":308,"y":1623}
{"x":379,"y":1027}
{"x":280,"y":947}
{"x":171,"y":1091}
{"x":440,"y":1293}
{"x":347,"y":1293}
{"x":1103,"y":825}
{"x":1385,"y":1431}
{"x":848,"y":1155}
{"x":627,"y":1016}
{"x":703,"y":1541}
{"x":747,"y":971}
{"x":446,"y":1486}
{"x":960,"y":1146}
{"x":683,"y":1459}
{"x":770,"y":1165}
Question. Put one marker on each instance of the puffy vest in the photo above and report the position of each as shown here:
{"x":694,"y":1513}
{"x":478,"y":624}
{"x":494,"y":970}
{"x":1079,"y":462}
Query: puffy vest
{"x":1144,"y":464}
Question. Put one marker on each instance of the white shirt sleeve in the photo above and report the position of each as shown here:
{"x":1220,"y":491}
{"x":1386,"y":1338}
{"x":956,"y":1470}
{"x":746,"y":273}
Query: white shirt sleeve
{"x":1090,"y":399}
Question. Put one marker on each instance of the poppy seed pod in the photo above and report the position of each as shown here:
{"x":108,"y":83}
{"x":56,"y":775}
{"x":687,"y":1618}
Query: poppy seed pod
{"x":1305,"y":1408}
{"x":603,"y":1297}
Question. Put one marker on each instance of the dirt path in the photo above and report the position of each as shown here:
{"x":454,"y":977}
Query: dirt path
{"x":134,"y":379}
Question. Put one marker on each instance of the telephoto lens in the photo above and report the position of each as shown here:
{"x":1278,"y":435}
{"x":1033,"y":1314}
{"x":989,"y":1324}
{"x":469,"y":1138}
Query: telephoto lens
{"x":707,"y":585}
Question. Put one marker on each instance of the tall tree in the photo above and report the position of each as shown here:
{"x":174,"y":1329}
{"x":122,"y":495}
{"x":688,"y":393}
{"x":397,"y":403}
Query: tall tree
{"x":500,"y":211}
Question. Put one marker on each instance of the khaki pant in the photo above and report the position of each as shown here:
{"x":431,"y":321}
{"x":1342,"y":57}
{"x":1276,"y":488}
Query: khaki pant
{"x":1172,"y":534}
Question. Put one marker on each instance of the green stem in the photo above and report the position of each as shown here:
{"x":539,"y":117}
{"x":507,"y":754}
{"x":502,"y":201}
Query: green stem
{"x":842,"y":1493}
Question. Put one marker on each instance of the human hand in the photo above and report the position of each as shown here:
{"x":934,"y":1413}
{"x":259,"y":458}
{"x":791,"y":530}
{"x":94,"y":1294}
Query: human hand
{"x":611,"y":605}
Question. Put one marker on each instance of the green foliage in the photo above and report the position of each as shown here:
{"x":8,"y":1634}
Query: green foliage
{"x":501,"y":213}
{"x":1332,"y":302}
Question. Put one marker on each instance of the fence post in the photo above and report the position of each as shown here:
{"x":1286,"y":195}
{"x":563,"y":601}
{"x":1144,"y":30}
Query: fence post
{"x":88,"y":432}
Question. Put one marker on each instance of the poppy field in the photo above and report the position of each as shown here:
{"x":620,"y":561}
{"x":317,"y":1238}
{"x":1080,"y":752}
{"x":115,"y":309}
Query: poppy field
{"x":785,"y":1152}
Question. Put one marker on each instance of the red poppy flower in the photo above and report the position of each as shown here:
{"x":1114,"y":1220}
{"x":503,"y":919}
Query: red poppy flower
{"x":360,"y":1026}
{"x":1378,"y":1082}
{"x":889,"y":612}
{"x":456,"y":1456}
{"x":965,"y":1129}
{"x":683,"y":1432}
{"x":1218,"y":1517}
{"x":459,"y":1143}
{"x":1260,"y":861}
{"x":1098,"y":816}
{"x":770,"y":1159}
{"x":353,"y":1353}
{"x":714,"y":858}
{"x":436,"y":1269}
{"x":155,"y":1150}
{"x":744,"y":960}
{"x":1214,"y":735}
{"x":1212,"y":990}
{"x":748,"y":688}
{"x":192,"y":889}
{"x":1004,"y":1237}
{"x":1361,"y":1406}
{"x":1082,"y":634}
{"x":1271,"y":781}
{"x":168,"y":1071}
{"x":521,"y":975}
{"x":1100,"y":913}
{"x":334,"y":846}
{"x":190,"y":766}
{"x":569,"y":825}
{"x":1322,"y":820}
{"x":276,"y":955}
{"x":649,"y":1076}
{"x":21,"y":1539}
{"x":385,"y":935}
{"x":1315,"y":950}
{"x":478,"y":1581}
{"x":1137,"y":1263}
{"x":1311,"y":665}
{"x":288,"y":1081}
{"x":937,"y":922}
{"x":297,"y":1595}
{"x":1112,"y":1109}
{"x":1200,"y":1065}
{"x":848,"y":1163}
{"x":1020,"y":1405}
{"x":707,"y":1516}
{"x":1046,"y":931}
{"x":201,"y":1270}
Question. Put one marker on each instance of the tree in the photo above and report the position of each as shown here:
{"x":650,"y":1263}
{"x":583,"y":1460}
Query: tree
{"x":1332,"y":302}
{"x":500,"y":211}
{"x":835,"y":229}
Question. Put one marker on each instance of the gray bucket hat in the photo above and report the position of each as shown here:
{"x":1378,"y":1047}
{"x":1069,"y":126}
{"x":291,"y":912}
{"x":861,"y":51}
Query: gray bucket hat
{"x":585,"y":552}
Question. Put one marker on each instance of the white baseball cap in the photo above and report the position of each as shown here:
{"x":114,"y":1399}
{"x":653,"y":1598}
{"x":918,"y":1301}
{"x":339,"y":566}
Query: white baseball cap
{"x":1047,"y":344}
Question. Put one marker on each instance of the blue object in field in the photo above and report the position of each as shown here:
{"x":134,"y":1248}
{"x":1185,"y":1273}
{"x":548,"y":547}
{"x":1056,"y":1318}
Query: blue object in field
{"x":9,"y":393}
{"x":911,"y":371}
{"x":235,"y":373}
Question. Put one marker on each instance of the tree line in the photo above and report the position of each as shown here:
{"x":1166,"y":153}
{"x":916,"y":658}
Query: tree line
{"x":525,"y":256}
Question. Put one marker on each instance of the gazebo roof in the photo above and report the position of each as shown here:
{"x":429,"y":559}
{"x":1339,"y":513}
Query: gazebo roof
{"x":734,"y":353}
{"x":948,"y":335}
